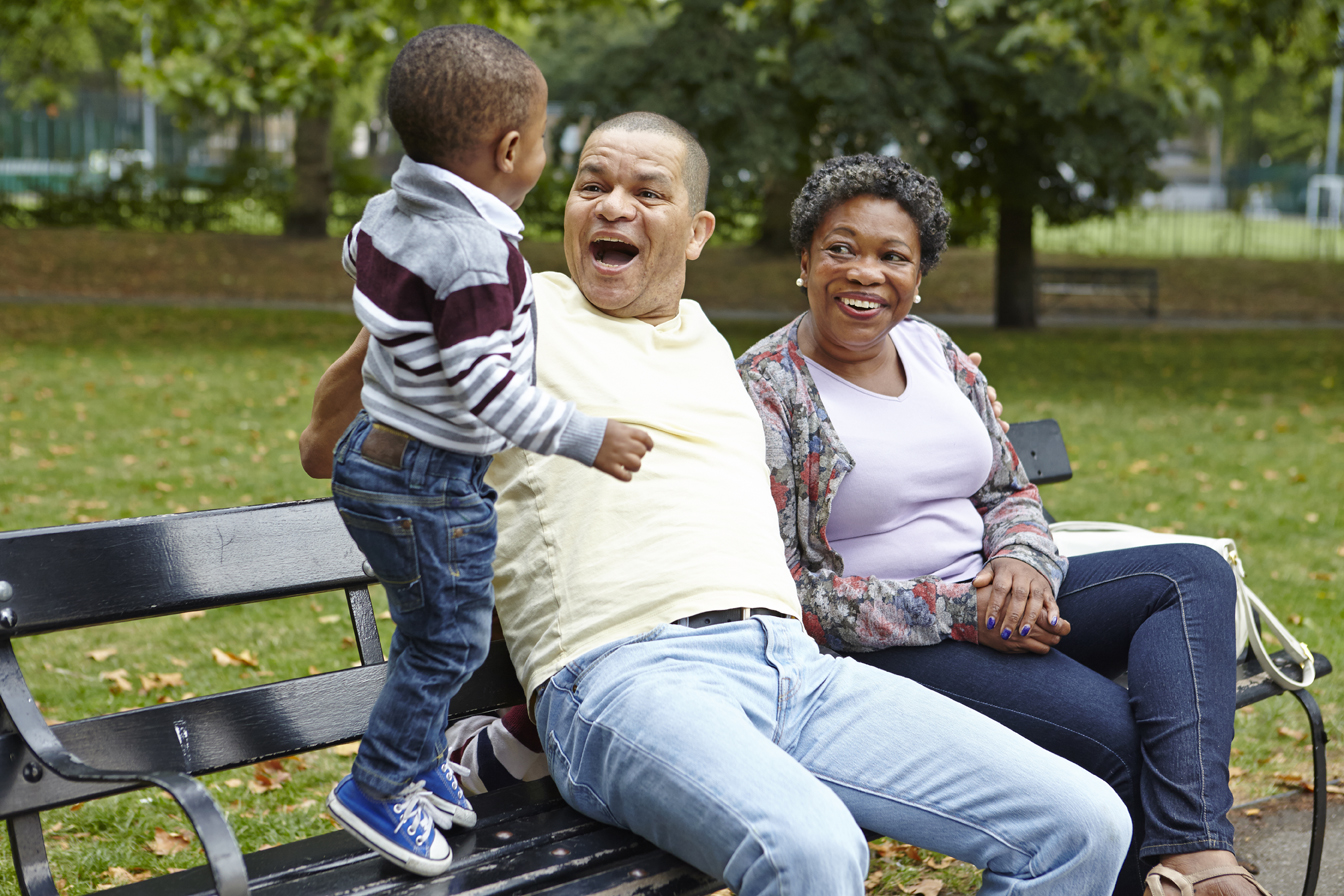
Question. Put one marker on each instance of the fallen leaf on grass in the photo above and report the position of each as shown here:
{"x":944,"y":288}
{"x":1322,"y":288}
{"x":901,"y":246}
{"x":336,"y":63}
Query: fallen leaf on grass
{"x":120,"y":682}
{"x":929,"y":886}
{"x":118,"y":876}
{"x":306,"y":804}
{"x":889,"y":848}
{"x":1293,"y":733}
{"x":167,"y":843}
{"x":1235,"y":771}
{"x":233,"y":783}
{"x":181,"y":664}
{"x":268,"y":776}
{"x":346,"y":749}
{"x":945,"y":862}
{"x":225,"y":658}
{"x":1251,"y":813}
{"x":328,"y":620}
{"x":101,"y":654}
{"x":155,"y":681}
{"x":313,"y":670}
{"x":192,"y":614}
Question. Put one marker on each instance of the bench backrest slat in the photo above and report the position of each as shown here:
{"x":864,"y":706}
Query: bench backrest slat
{"x":1040,"y":446}
{"x":96,"y":573}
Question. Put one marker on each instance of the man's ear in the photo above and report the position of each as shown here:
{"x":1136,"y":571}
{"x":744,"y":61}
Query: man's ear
{"x":702,"y":228}
{"x":506,"y":152}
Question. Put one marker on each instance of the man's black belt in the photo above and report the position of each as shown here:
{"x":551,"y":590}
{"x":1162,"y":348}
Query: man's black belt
{"x":716,"y":617}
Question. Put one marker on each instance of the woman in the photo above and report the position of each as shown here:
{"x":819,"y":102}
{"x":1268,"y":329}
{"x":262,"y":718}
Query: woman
{"x":885,"y":452}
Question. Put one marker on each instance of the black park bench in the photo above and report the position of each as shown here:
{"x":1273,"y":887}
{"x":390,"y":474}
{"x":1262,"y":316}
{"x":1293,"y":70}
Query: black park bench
{"x":527,"y":841}
{"x":1040,"y":446}
{"x":1096,"y":285}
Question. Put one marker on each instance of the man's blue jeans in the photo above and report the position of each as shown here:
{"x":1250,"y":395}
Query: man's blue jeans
{"x":1164,"y":614}
{"x":425,"y":521}
{"x":746,"y":752}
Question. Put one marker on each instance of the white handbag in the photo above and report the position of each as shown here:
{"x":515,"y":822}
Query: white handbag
{"x":1077,"y":537}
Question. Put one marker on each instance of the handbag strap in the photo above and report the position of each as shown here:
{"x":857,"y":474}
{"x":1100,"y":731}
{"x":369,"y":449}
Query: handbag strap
{"x":1298,"y":651}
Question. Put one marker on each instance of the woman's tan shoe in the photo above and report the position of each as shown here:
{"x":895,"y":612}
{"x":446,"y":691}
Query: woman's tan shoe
{"x":1186,"y":882}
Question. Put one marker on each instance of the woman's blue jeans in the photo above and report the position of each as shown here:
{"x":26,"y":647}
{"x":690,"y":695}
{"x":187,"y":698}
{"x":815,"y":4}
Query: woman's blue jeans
{"x":1166,"y":615}
{"x":425,"y":521}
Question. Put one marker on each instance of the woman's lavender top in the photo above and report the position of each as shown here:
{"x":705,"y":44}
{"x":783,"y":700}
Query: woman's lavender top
{"x":905,"y":509}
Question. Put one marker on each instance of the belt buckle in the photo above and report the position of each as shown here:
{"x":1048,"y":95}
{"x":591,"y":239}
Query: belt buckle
{"x":746,"y":613}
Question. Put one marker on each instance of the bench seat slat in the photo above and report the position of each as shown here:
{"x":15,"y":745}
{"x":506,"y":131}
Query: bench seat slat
{"x":90,"y":574}
{"x":1253,"y":685}
{"x":546,"y":846}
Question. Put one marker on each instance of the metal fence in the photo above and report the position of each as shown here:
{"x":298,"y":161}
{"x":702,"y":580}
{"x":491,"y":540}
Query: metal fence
{"x":1175,"y":234}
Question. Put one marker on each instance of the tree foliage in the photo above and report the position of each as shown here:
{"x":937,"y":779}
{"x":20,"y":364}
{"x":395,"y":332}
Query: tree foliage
{"x":1021,"y":107}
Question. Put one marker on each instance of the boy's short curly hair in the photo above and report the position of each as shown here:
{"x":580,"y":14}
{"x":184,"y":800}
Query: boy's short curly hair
{"x":839,"y":180}
{"x":455,"y":85}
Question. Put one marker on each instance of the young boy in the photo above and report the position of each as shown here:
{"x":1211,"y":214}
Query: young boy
{"x":447,"y":300}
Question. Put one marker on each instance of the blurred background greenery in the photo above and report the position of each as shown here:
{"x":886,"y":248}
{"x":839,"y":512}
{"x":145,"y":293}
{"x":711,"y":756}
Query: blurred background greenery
{"x":189,"y":115}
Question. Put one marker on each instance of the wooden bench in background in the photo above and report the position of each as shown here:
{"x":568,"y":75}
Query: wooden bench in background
{"x":1040,"y":446}
{"x":1055,"y":285}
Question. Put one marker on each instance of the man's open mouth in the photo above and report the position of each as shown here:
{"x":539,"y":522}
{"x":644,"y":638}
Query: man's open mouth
{"x":612,"y":254}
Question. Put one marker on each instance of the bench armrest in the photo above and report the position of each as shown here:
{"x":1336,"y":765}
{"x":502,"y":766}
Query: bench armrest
{"x":221,"y":848}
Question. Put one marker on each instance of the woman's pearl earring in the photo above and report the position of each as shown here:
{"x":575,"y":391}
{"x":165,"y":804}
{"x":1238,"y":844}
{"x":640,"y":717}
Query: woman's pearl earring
{"x":799,"y":281}
{"x":917,"y":299}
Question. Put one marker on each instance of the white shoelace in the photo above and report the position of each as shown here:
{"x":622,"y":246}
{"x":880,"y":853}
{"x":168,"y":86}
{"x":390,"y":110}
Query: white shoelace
{"x":459,"y":770}
{"x":412,"y":808}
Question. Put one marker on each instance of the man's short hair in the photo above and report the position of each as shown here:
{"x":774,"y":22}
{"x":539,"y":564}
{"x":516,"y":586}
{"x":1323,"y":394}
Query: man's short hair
{"x":455,"y":86}
{"x":695,"y":170}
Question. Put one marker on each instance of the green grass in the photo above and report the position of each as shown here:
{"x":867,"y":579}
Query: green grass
{"x":115,"y":412}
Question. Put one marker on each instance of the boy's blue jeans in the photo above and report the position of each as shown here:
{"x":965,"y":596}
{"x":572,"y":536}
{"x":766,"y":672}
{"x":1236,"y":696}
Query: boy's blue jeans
{"x":425,"y":520}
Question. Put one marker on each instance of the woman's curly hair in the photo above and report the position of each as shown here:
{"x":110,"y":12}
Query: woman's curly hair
{"x":839,"y":180}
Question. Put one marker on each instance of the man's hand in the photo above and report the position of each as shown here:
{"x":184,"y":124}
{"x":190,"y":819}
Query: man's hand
{"x":335,"y":403}
{"x":622,"y":447}
{"x":1017,"y":608}
{"x":993,"y":395}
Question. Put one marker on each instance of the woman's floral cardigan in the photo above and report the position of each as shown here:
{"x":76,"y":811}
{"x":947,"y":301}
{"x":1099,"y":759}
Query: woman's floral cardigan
{"x":807,"y":463}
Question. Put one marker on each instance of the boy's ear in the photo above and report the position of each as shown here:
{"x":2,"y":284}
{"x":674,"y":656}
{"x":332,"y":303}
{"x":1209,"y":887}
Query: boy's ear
{"x":506,"y":152}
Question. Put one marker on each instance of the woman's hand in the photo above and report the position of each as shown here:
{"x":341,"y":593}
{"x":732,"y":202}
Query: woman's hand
{"x":1017,"y":608}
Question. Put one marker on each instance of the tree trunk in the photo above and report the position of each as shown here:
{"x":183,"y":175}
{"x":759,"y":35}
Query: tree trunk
{"x":780,"y":190}
{"x":1014,"y":267}
{"x":309,"y":201}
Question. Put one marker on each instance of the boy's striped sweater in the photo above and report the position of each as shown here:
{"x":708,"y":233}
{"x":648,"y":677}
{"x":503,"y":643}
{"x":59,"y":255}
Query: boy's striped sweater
{"x":447,"y":299}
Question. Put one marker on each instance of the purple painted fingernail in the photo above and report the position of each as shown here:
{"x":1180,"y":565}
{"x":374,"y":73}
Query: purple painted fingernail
{"x":1026,"y":630}
{"x":1054,"y":620}
{"x":989,"y":623}
{"x":1006,"y":633}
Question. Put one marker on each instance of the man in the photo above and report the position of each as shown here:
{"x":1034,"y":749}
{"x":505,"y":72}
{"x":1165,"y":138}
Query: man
{"x":655,"y":625}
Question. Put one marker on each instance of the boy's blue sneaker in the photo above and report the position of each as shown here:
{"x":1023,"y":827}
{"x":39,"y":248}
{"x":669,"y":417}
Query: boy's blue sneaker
{"x":447,"y":803}
{"x":401,"y":828}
